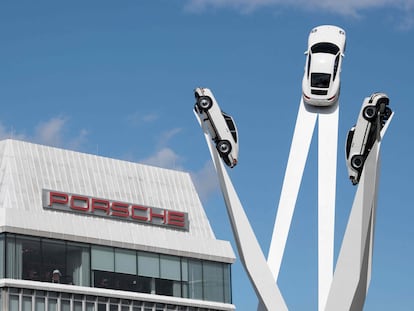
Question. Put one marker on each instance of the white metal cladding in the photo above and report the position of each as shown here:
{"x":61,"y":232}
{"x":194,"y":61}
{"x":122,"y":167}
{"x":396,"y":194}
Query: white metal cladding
{"x":26,"y":169}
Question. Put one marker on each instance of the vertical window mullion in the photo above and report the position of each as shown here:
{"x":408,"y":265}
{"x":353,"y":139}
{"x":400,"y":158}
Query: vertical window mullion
{"x":202,"y":280}
{"x":66,"y":260}
{"x":42,"y":267}
{"x":113,"y":254}
{"x":181,"y":277}
{"x":90,"y":268}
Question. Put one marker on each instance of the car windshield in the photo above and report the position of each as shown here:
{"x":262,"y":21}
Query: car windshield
{"x":320,"y":80}
{"x":325,"y":47}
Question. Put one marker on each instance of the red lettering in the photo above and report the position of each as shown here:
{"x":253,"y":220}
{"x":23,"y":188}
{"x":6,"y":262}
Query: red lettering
{"x":176,"y":219}
{"x":84,"y":206}
{"x":58,"y":197}
{"x":155,"y":215}
{"x":106,"y":208}
{"x":119,"y":209}
{"x":135,"y":208}
{"x":100,"y":205}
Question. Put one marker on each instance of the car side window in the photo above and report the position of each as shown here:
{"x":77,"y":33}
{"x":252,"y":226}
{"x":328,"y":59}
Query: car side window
{"x":231,"y":126}
{"x":336,"y":64}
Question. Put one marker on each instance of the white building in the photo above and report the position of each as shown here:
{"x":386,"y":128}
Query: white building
{"x":118,"y":235}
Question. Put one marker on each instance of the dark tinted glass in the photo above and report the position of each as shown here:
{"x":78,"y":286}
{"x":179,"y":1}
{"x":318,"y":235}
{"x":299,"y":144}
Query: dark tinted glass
{"x":325,"y":47}
{"x":320,"y":80}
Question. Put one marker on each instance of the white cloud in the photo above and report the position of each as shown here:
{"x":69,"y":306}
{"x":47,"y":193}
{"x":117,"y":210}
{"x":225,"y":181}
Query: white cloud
{"x":344,"y":7}
{"x":5,"y":133}
{"x":168,"y":135}
{"x":166,"y":158}
{"x":137,"y":118}
{"x":206,"y":180}
{"x":50,"y":132}
{"x":78,"y":141}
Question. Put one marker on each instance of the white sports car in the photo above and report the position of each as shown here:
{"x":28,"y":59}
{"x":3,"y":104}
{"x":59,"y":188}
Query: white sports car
{"x":220,"y":125}
{"x":361,"y":137}
{"x":321,"y":81}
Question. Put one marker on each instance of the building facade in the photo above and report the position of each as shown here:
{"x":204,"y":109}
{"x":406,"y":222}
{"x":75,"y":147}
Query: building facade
{"x":83,"y":232}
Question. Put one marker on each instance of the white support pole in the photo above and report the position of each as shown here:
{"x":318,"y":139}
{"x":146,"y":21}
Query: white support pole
{"x":302,"y":137}
{"x":353,"y":269}
{"x":327,"y":162}
{"x":250,"y":253}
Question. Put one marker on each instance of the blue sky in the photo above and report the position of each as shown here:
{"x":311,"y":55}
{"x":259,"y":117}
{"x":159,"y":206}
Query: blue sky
{"x":116,"y":78}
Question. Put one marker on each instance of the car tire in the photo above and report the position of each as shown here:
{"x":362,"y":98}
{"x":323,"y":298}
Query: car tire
{"x":387,"y":113}
{"x":369,"y":113}
{"x":357,"y":162}
{"x":224,"y":147}
{"x":204,"y":103}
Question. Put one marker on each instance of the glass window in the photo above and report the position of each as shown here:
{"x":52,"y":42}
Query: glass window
{"x":170,"y":267}
{"x":195,"y":279}
{"x":103,"y":279}
{"x":164,"y":287}
{"x":90,"y":306}
{"x":77,"y":266}
{"x":231,"y":125}
{"x":40,"y":304}
{"x":325,"y":47}
{"x":227,"y":283}
{"x":320,"y":80}
{"x":168,"y":287}
{"x":77,"y":306}
{"x":102,"y":258}
{"x":52,"y":304}
{"x":108,"y":267}
{"x":13,"y":302}
{"x":148,"y":306}
{"x":23,"y":257}
{"x":65,"y":305}
{"x":144,"y":285}
{"x":2,"y":256}
{"x":148,"y":264}
{"x":54,"y":259}
{"x":336,"y":64}
{"x":159,"y":307}
{"x":184,"y":269}
{"x":137,"y":304}
{"x":213,"y":281}
{"x":125,"y":261}
{"x":184,"y":277}
{"x":126,"y":282}
{"x":27,"y":303}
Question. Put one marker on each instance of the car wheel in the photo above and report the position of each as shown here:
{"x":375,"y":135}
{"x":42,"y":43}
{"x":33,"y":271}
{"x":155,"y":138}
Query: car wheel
{"x":369,"y":113}
{"x":387,"y":113}
{"x":204,"y":102}
{"x":357,"y":162}
{"x":224,"y":147}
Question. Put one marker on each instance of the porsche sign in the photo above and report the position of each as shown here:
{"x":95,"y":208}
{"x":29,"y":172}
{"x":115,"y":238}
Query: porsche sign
{"x":87,"y":205}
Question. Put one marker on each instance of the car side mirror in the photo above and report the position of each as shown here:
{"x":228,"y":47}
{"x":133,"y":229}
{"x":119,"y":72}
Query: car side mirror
{"x":306,"y":52}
